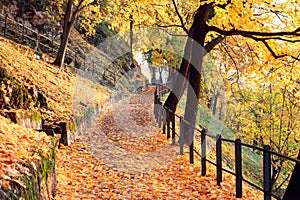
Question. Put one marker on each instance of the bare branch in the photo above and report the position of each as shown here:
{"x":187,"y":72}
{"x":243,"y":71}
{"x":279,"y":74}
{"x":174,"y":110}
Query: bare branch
{"x":263,"y":40}
{"x":209,"y":46}
{"x":180,"y":17}
{"x":169,"y":26}
{"x":78,"y":9}
{"x":272,"y":51}
{"x":263,"y":37}
{"x":172,"y":34}
{"x":254,"y":33}
{"x":283,"y":39}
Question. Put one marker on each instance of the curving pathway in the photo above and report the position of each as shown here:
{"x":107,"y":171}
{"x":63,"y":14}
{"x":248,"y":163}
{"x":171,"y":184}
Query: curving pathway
{"x":123,"y":155}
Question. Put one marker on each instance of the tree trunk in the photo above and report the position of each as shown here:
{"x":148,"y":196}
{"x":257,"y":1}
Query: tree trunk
{"x":59,"y":60}
{"x":216,"y":97}
{"x":293,"y":190}
{"x":193,"y":55}
{"x":68,"y":24}
{"x":181,"y":77}
{"x":198,"y":52}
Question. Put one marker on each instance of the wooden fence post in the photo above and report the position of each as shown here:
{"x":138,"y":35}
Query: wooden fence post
{"x":203,"y":151}
{"x":267,"y":173}
{"x":23,"y":31}
{"x":155,"y":105}
{"x":159,"y":114}
{"x":173,"y":128}
{"x":219,"y":159}
{"x":5,"y":26}
{"x":181,"y":136}
{"x":238,"y":168}
{"x":168,"y":125}
{"x":192,"y":153}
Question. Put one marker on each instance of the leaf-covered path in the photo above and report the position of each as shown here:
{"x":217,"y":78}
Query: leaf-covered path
{"x":123,"y":155}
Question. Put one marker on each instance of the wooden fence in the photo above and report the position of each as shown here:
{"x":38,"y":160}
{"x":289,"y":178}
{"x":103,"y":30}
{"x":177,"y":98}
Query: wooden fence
{"x":25,"y":35}
{"x":170,"y":125}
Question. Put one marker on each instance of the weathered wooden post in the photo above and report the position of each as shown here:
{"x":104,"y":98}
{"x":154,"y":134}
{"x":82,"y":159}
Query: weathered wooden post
{"x":5,"y":26}
{"x":203,"y":152}
{"x":173,"y":128}
{"x":168,"y":125}
{"x":238,"y":168}
{"x":267,"y":173}
{"x":219,"y":159}
{"x":192,"y":153}
{"x":181,"y":139}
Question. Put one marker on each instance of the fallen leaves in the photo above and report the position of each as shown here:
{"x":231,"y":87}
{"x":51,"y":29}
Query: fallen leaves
{"x":18,"y":146}
{"x":85,"y":172}
{"x":59,"y":87}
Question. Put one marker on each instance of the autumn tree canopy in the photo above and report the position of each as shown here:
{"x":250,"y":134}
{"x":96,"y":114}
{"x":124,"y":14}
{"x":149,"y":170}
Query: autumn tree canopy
{"x":269,"y":33}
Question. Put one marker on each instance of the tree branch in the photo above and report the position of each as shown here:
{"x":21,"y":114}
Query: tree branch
{"x":180,"y":17}
{"x":223,"y":6}
{"x":253,"y":33}
{"x":263,"y":40}
{"x":172,"y":34}
{"x":78,"y":9}
{"x":209,"y":46}
{"x":168,"y":26}
{"x":283,"y":39}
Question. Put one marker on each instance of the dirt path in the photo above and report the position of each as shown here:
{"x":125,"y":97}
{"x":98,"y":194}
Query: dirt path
{"x":123,"y":155}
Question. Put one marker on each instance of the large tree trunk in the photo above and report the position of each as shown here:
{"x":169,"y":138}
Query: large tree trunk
{"x":181,"y":77}
{"x":198,"y":52}
{"x":293,"y":190}
{"x":69,"y":21}
{"x":193,"y":55}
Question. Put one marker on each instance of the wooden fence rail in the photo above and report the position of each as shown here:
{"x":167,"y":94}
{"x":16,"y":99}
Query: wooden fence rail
{"x":266,"y":152}
{"x":23,"y":34}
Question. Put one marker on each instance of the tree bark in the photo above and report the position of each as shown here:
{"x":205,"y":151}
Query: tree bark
{"x":65,"y":36}
{"x":293,"y":190}
{"x":181,"y":77}
{"x":193,"y":55}
{"x":59,"y":60}
{"x":69,"y":20}
{"x":198,"y":52}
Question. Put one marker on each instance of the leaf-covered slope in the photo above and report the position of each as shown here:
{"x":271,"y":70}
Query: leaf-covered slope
{"x":57,"y":86}
{"x":21,"y":153}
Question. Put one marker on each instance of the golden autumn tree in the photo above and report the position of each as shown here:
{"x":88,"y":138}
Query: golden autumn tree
{"x":273,"y":27}
{"x":262,"y":101}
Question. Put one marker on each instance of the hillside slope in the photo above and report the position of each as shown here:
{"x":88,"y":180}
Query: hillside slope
{"x":58,"y":87}
{"x":32,"y":90}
